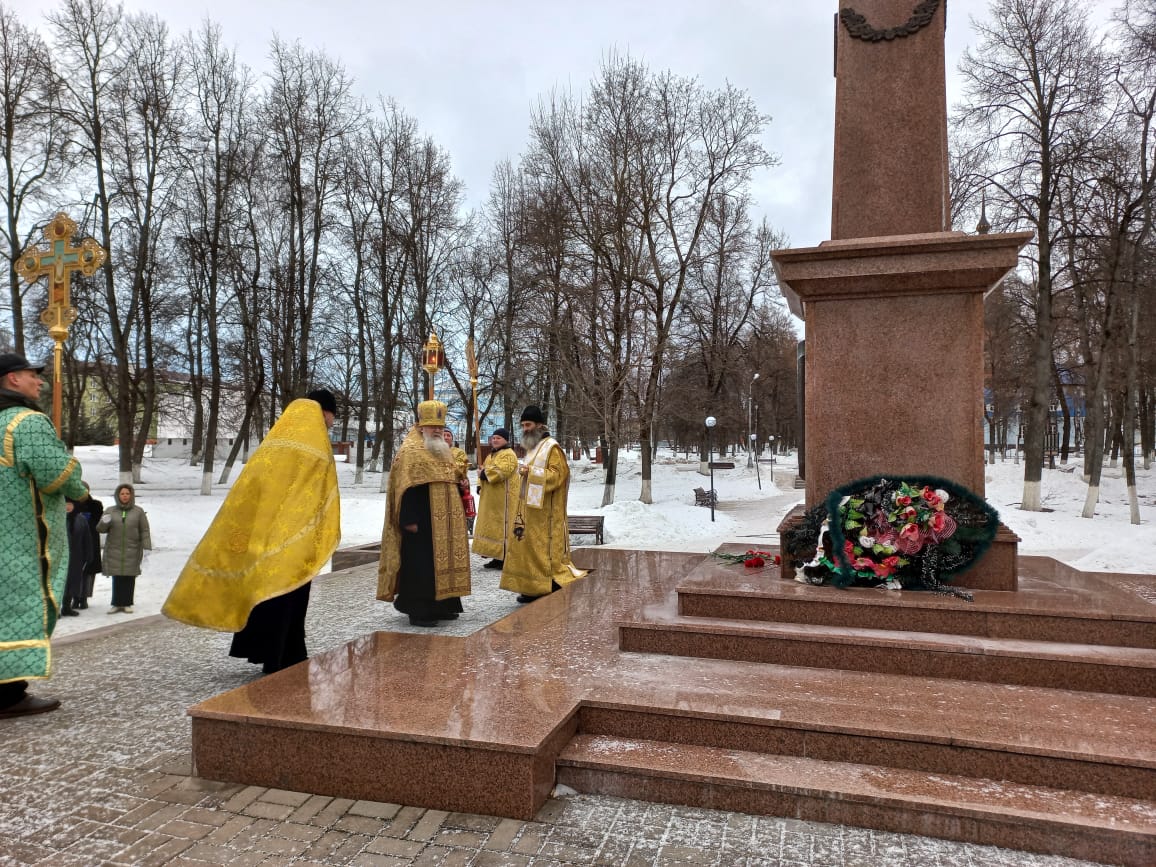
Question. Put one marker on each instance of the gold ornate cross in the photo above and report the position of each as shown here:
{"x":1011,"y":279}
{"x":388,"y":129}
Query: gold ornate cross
{"x":58,"y":262}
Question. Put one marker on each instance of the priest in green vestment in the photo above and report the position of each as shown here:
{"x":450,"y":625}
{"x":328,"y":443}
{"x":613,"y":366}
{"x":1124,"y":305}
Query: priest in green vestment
{"x":36,"y":475}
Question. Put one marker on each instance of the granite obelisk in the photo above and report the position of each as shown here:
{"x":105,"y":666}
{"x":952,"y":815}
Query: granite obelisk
{"x":893,"y":303}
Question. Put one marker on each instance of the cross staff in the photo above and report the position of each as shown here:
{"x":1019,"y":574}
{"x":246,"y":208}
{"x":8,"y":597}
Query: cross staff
{"x":472,"y":360}
{"x":57,"y":263}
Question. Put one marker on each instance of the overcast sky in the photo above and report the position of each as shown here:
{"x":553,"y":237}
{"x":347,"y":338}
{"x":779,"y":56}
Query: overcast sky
{"x":470,"y":71}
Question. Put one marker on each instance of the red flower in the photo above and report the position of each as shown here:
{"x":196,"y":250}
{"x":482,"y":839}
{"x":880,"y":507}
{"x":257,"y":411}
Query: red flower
{"x":931,"y":498}
{"x":863,"y":564}
{"x":778,"y":560}
{"x":754,"y":562}
{"x":910,"y":539}
{"x":848,"y":547}
{"x":942,"y":526}
{"x":882,"y":570}
{"x":903,"y":500}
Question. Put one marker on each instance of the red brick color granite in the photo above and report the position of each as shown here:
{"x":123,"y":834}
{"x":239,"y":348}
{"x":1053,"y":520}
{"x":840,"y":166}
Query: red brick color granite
{"x":478,"y":723}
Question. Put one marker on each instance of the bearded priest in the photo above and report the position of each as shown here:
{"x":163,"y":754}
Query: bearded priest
{"x":538,"y":548}
{"x":425,"y":555}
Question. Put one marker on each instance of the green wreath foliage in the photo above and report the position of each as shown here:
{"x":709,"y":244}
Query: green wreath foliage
{"x":905,"y":511}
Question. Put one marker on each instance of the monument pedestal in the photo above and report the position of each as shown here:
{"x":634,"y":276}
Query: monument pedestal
{"x":894,"y":376}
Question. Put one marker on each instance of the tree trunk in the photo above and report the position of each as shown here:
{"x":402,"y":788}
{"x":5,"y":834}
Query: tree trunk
{"x":610,"y":467}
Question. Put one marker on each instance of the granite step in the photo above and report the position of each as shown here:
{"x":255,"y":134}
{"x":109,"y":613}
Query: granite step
{"x":1054,"y":665}
{"x":1054,"y":616}
{"x":1076,"y":756}
{"x":970,"y":809}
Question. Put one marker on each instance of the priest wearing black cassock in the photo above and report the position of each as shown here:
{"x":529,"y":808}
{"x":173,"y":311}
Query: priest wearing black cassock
{"x":425,"y":555}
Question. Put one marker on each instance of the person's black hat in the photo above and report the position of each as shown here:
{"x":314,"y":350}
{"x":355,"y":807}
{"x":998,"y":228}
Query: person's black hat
{"x":534,"y":414}
{"x":503,"y":433}
{"x":324,"y":397}
{"x":10,"y":362}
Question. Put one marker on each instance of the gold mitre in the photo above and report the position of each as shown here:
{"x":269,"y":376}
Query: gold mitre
{"x":431,"y":413}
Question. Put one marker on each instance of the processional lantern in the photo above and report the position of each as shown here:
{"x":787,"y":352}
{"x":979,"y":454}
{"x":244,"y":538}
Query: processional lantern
{"x":433,"y":359}
{"x":57,"y":262}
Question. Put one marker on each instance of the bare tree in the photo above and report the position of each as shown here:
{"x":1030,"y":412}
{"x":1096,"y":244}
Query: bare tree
{"x":1035,"y":87}
{"x":587,"y":151}
{"x":32,"y":142}
{"x":310,"y":113}
{"x":214,"y":163}
{"x":146,"y":125}
{"x":88,"y":40}
{"x":702,"y":151}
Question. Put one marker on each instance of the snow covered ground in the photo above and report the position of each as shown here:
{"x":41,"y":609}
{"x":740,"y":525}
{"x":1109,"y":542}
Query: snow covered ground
{"x":178,"y":515}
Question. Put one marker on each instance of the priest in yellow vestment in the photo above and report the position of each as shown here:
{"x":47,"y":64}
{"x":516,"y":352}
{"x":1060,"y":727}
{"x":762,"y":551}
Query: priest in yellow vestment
{"x":538,"y":548}
{"x":278,"y":525}
{"x":498,"y":495}
{"x":425,"y":557}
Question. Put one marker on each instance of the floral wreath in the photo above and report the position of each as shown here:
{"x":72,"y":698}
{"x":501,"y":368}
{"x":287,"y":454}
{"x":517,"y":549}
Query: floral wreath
{"x":900,"y":532}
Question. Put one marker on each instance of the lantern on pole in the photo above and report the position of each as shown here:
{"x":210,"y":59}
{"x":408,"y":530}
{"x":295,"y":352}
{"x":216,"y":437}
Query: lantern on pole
{"x":433,"y":359}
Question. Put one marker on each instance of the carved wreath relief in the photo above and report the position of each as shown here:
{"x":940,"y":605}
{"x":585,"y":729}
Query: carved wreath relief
{"x":858,"y":28}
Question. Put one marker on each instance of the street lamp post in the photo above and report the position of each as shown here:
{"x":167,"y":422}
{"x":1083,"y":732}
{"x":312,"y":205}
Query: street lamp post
{"x":750,"y":425}
{"x":710,"y":423}
{"x":757,"y":477}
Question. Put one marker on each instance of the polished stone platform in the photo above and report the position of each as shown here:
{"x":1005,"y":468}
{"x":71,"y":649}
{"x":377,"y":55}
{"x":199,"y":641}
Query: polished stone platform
{"x":489,"y":722}
{"x":1064,"y":629}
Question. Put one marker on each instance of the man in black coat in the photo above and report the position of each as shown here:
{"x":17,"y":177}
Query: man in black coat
{"x":93,"y":510}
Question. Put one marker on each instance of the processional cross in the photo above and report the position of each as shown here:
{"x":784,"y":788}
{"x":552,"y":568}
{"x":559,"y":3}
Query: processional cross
{"x":58,"y":262}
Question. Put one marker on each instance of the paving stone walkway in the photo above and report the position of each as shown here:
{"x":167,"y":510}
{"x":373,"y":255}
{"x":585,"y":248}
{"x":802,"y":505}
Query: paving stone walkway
{"x":106,"y":779}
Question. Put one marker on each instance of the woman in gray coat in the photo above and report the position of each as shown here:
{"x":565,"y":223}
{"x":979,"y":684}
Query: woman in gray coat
{"x":127,"y":527}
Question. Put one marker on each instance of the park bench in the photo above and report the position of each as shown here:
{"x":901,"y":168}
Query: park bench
{"x":722,"y":465}
{"x":705,"y":498}
{"x":586,"y":525}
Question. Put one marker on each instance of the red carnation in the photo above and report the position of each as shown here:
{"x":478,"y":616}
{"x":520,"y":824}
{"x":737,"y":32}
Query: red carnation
{"x":754,"y":562}
{"x":942,"y":526}
{"x":910,"y":539}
